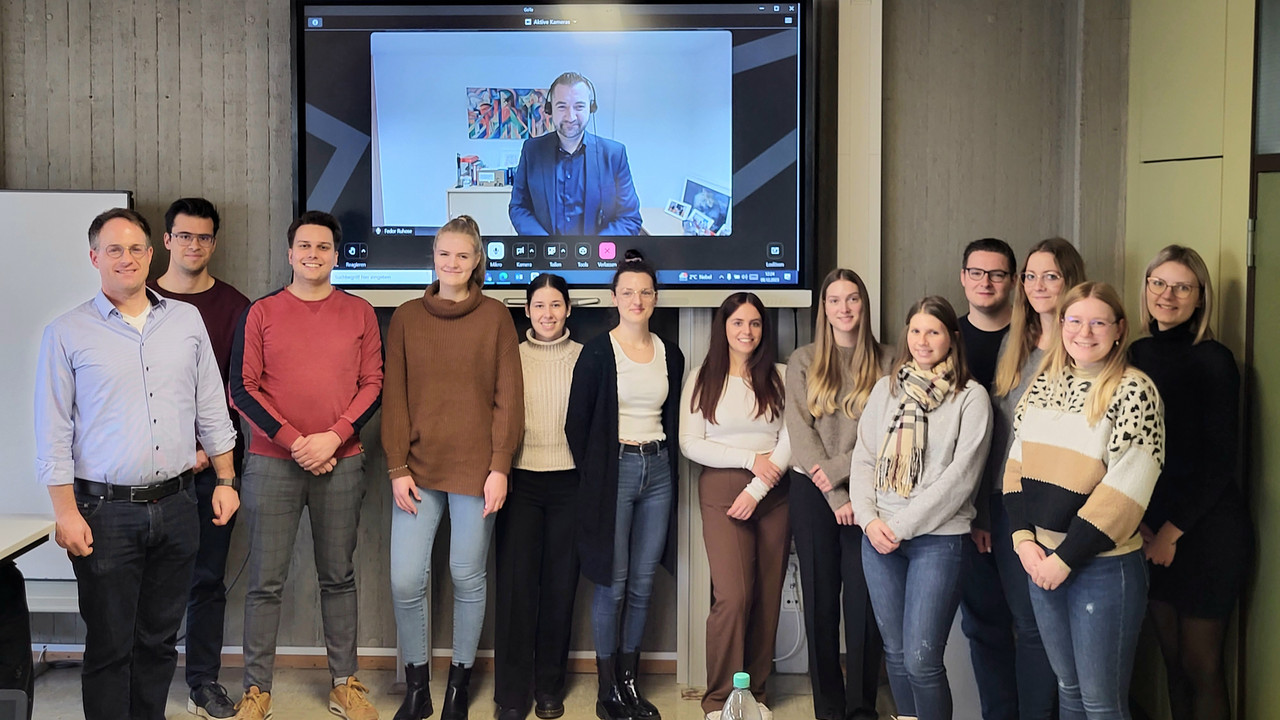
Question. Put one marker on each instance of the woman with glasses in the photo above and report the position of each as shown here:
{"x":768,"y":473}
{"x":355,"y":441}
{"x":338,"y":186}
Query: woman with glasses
{"x":922,"y":442}
{"x":1051,"y":268}
{"x":621,"y":422}
{"x":828,"y":382}
{"x":1087,"y":449}
{"x":537,"y":563}
{"x":732,"y":426}
{"x":1196,"y":531}
{"x":452,"y":416}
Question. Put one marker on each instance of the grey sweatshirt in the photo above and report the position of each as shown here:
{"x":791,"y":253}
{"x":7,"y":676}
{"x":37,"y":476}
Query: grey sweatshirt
{"x":955,"y":454}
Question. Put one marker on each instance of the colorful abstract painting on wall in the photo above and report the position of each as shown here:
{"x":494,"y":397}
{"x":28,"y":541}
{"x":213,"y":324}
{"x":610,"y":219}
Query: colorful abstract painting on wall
{"x":506,"y":113}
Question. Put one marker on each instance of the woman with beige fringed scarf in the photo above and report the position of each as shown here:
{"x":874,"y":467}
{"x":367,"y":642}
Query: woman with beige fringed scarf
{"x":922,"y":443}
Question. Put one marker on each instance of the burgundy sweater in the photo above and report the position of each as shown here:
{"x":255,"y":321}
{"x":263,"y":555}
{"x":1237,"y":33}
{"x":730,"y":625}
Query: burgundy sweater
{"x":299,"y":367}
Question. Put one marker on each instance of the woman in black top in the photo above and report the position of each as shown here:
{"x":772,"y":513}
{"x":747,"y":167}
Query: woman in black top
{"x":1196,"y":531}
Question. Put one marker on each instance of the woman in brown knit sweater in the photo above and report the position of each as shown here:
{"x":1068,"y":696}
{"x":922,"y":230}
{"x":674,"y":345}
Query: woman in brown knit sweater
{"x":452,"y":415}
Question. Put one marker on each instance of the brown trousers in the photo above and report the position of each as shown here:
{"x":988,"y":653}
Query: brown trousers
{"x":748,"y":563}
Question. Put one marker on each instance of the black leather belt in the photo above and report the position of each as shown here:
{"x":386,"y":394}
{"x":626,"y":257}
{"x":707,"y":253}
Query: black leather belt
{"x":136,"y":493}
{"x":653,"y":447}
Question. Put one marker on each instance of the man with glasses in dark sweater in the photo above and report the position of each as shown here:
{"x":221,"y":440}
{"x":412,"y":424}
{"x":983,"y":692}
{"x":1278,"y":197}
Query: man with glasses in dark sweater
{"x":191,"y":236}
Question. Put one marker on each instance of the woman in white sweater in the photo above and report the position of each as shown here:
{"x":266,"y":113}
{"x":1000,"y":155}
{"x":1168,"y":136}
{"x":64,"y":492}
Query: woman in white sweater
{"x":921,"y":446}
{"x":732,"y":425}
{"x":537,"y":561}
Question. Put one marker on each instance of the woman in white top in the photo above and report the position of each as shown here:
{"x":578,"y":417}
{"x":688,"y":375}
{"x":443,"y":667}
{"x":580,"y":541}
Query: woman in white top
{"x":623,"y":411}
{"x":536,"y":560}
{"x":732,"y":424}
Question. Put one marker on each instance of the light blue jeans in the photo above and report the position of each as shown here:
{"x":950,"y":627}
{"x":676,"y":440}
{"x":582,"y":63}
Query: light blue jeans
{"x":412,"y":537}
{"x":645,"y":494}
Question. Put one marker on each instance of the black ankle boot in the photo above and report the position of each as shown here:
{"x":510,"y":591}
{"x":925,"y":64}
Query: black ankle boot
{"x":610,"y":703}
{"x":417,"y":693}
{"x":641,"y":709}
{"x":456,"y":695}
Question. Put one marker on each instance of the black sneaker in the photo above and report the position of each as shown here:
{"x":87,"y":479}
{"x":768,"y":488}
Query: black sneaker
{"x":210,"y":701}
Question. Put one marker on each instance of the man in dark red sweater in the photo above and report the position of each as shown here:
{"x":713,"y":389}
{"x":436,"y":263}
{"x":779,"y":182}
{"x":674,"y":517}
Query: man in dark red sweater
{"x":190,"y":235}
{"x":306,"y":372}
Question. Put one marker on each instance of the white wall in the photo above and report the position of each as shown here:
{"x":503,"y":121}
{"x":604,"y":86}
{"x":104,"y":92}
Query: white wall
{"x":666,"y":95}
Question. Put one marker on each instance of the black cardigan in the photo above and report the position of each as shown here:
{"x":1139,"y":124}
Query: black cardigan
{"x":591,"y":426}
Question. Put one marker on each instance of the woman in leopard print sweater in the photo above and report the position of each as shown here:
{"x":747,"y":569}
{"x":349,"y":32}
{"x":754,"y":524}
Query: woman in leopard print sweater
{"x":1088,"y":447}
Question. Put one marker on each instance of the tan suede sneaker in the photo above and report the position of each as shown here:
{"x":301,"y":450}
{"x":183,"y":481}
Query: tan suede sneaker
{"x":349,"y":700}
{"x":255,"y":705}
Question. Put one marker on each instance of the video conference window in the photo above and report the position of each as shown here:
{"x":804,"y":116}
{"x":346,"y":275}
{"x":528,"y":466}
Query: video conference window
{"x":662,"y":115}
{"x":675,"y":129}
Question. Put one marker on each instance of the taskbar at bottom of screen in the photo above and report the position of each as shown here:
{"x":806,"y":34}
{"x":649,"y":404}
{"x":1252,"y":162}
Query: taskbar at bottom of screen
{"x":417,"y":277}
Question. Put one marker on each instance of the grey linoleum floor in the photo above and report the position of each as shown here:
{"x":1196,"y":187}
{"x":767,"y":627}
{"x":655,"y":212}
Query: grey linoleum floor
{"x":303,"y":694}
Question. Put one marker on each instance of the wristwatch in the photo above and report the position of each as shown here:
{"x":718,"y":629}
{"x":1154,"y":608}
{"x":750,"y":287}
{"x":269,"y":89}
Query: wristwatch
{"x":232,"y":482}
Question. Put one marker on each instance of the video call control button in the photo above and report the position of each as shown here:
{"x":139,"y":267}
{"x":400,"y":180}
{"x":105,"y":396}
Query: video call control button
{"x":355,"y":251}
{"x":555,"y":251}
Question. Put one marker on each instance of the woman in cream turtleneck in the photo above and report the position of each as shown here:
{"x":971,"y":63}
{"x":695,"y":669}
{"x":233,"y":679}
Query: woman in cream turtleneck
{"x":537,"y":560}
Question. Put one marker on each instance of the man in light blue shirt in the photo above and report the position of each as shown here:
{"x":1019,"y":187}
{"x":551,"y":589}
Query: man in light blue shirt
{"x":126,"y":384}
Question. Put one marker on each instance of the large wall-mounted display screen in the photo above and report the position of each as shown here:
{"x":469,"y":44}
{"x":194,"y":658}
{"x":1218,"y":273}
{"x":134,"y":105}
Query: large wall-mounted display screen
{"x":569,"y":132}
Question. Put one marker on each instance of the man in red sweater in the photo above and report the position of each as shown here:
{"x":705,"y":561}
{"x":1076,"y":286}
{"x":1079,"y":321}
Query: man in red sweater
{"x":191,"y":236}
{"x":306,"y":371}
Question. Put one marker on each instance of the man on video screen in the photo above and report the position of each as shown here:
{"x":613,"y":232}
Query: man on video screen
{"x":572,"y":182}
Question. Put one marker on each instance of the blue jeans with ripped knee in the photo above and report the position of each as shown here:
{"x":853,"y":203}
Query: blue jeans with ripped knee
{"x":1090,"y":626}
{"x":915,"y":591}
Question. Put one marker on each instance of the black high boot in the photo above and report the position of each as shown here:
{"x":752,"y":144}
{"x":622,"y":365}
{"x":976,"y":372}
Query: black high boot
{"x":610,"y":702}
{"x":641,"y":709}
{"x":456,"y":694}
{"x":417,"y":693}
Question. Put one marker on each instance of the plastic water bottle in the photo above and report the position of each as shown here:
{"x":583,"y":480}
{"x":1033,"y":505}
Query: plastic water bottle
{"x":741,"y":704}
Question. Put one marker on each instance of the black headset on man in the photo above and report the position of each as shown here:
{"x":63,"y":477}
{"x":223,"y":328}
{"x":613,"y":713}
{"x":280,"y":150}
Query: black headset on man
{"x":570,"y":79}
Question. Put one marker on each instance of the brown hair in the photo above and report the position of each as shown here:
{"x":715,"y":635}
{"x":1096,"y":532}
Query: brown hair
{"x":466,"y":225}
{"x":762,"y":369}
{"x":825,"y":373}
{"x":1024,"y":328}
{"x":937,"y":307}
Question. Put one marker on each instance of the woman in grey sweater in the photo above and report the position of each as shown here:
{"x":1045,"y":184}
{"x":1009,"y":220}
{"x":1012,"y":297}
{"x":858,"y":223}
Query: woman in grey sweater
{"x":921,"y":446}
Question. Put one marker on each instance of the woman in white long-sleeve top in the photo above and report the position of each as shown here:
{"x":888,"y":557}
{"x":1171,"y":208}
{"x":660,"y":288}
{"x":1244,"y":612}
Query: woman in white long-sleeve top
{"x":732,"y":425}
{"x":921,"y":446}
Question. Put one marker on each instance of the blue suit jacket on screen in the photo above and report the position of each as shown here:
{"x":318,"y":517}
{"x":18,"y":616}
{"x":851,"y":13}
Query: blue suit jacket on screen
{"x":611,"y":206}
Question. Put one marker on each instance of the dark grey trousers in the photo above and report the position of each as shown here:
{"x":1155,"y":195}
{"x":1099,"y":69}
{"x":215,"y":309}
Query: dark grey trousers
{"x":274,"y":494}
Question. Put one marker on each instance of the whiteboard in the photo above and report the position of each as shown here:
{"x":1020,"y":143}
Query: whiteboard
{"x":49,"y":232}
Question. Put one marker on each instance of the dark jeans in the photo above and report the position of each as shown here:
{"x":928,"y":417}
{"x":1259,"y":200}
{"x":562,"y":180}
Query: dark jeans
{"x":15,"y":633}
{"x":915,"y":591}
{"x":537,"y":582}
{"x":1015,"y":681}
{"x":1090,"y":626}
{"x":645,"y":493}
{"x":133,"y":589}
{"x":207,"y":601}
{"x":833,"y":583}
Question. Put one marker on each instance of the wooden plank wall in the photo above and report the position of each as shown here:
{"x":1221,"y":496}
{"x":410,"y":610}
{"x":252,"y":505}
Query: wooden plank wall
{"x":1002,"y":118}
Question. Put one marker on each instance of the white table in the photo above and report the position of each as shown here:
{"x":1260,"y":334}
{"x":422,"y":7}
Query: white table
{"x":20,"y":533}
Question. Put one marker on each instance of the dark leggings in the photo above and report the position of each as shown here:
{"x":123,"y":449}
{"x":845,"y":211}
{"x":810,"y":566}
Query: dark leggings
{"x":1192,"y":648}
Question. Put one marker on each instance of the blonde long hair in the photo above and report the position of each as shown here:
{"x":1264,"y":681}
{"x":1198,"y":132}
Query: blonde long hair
{"x":1191,"y":260}
{"x":1024,"y":328}
{"x":1056,"y":360}
{"x":825,"y":373}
